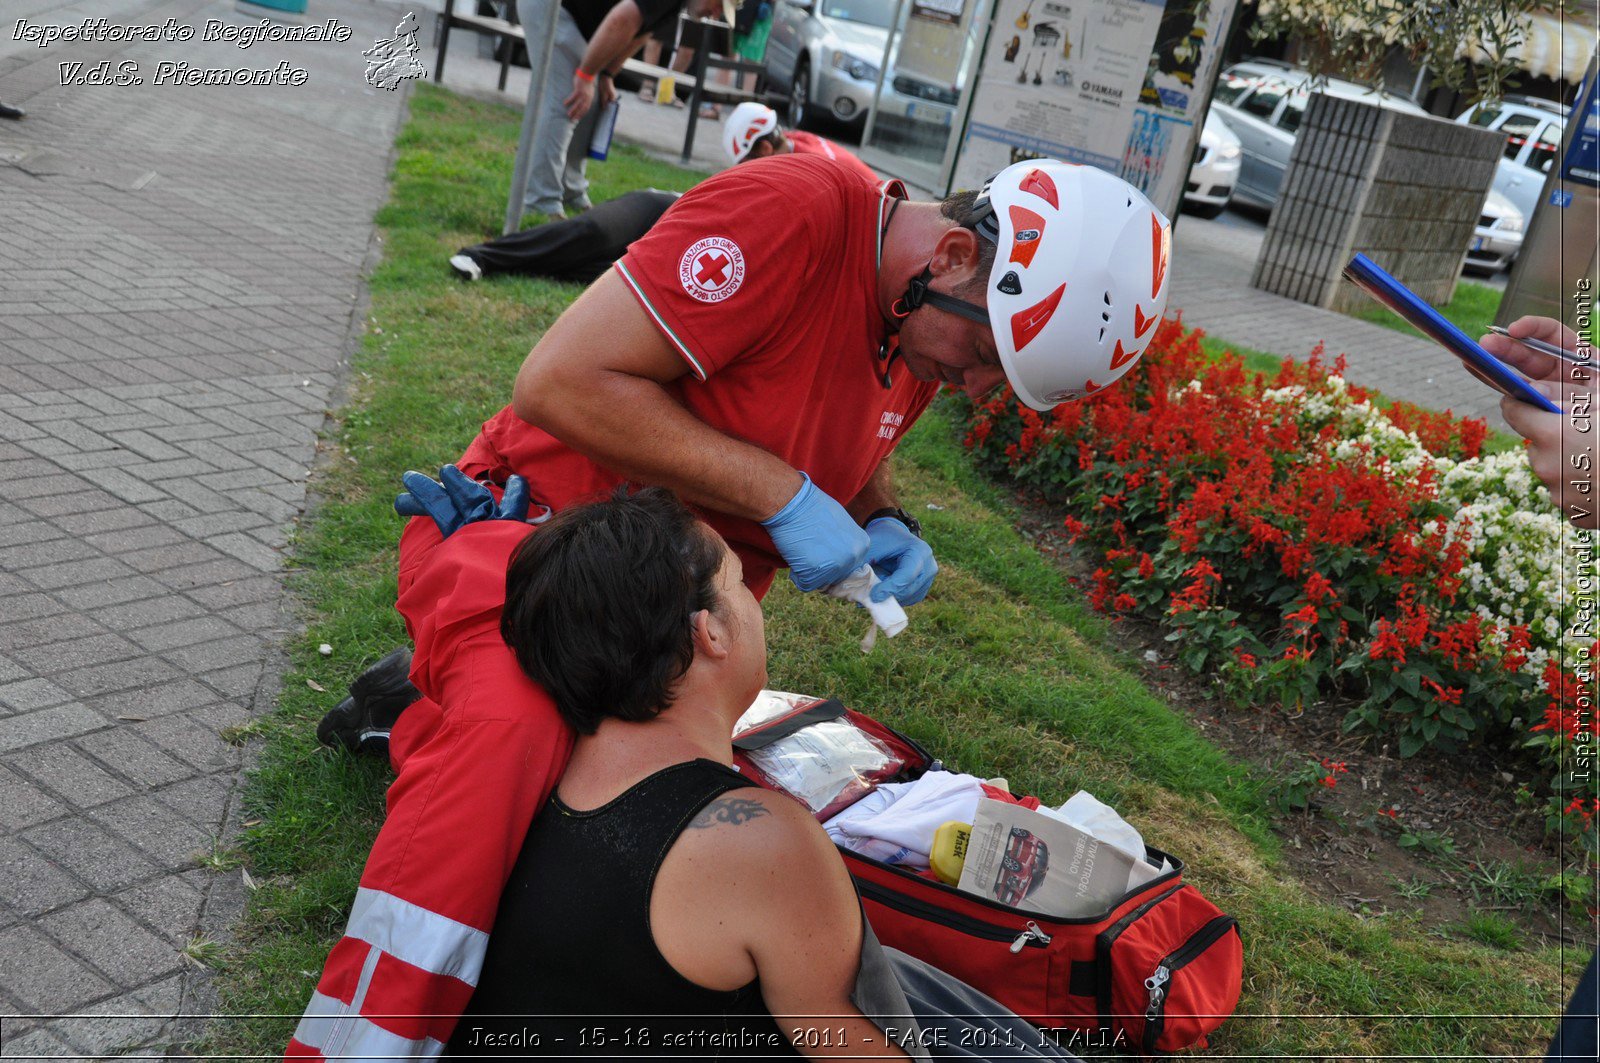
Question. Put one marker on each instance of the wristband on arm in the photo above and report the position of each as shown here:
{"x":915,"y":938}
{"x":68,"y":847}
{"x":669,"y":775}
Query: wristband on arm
{"x":582,"y":75}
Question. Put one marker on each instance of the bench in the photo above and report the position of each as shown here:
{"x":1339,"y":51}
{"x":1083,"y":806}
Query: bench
{"x":695,"y":34}
{"x":508,"y":32}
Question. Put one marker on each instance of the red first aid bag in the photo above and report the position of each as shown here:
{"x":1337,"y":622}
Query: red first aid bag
{"x":1155,"y":972}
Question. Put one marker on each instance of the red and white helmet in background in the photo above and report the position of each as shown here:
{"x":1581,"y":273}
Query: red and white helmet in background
{"x":749,"y":122}
{"x":1080,"y":276}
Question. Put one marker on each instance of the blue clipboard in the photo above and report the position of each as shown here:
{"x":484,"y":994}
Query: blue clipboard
{"x":1371,"y":278}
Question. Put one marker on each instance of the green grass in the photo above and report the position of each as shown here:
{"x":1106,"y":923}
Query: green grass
{"x":1003,"y":671}
{"x":1471,"y":309}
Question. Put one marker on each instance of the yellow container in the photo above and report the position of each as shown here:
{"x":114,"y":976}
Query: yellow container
{"x":666,"y":90}
{"x":949,"y":853}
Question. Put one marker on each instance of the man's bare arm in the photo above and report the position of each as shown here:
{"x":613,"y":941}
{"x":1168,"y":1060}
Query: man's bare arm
{"x":595,"y":382}
{"x":878,"y":493}
{"x":616,"y":38}
{"x":801,"y":921}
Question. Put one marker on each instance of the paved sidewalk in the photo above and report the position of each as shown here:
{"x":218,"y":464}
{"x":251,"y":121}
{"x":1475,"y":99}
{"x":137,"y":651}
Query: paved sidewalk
{"x":180,"y":282}
{"x":1212,"y":264}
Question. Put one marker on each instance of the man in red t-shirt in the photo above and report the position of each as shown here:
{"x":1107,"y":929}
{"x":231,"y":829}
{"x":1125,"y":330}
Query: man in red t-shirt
{"x":760,"y":352}
{"x":752,"y":131}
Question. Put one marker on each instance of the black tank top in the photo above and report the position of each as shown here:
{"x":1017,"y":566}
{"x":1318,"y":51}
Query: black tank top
{"x":572,"y":945}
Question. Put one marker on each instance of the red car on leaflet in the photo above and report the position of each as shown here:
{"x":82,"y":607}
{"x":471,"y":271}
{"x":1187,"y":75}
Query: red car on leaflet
{"x":1022,"y":868}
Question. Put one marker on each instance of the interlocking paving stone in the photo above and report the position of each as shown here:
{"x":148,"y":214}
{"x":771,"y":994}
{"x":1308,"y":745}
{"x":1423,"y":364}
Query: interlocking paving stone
{"x":113,"y":944}
{"x":23,"y":804}
{"x":133,"y":757}
{"x":93,"y":855}
{"x":167,"y":903}
{"x":36,"y":1044}
{"x":31,"y":882}
{"x":45,"y":725}
{"x":71,"y":775}
{"x":179,"y":288}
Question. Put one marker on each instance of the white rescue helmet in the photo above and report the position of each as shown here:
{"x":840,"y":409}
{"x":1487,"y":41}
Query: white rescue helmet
{"x":1080,"y":276}
{"x":749,"y":122}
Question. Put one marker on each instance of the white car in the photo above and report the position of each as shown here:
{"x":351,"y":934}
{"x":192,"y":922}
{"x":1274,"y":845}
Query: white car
{"x":1215,"y":170}
{"x":1263,"y":102}
{"x":1498,"y":237}
{"x":1533,"y":129}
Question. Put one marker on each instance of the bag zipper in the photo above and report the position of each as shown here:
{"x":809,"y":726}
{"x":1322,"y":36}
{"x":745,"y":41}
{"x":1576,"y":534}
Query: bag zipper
{"x":1155,"y":1014}
{"x":1102,"y":950}
{"x":1030,"y":936}
{"x":936,"y":886}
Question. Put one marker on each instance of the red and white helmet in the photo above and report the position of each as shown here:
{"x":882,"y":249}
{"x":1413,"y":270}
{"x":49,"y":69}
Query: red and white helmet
{"x":1080,"y":276}
{"x":749,"y":122}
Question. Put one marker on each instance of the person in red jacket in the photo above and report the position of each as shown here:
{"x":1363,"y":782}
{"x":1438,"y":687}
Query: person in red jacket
{"x":752,"y":131}
{"x":760,"y":352}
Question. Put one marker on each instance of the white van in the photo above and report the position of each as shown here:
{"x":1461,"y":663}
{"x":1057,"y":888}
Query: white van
{"x":1533,"y":129}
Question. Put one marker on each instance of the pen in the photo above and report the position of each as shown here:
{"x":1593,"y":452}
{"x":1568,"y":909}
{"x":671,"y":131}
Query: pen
{"x":1544,"y":348}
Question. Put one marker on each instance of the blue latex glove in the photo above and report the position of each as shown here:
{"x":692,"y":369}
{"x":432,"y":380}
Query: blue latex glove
{"x":904,"y":563}
{"x":454,"y":500}
{"x":818,"y":538}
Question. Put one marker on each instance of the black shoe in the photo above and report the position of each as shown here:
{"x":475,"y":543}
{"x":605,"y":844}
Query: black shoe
{"x":361,"y":722}
{"x":12,"y":113}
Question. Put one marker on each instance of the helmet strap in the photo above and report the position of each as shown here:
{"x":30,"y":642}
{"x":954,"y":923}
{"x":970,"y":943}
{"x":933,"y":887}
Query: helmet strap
{"x":920,"y":293}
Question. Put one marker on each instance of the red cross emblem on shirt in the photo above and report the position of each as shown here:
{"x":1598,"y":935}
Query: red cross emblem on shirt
{"x":712,"y":269}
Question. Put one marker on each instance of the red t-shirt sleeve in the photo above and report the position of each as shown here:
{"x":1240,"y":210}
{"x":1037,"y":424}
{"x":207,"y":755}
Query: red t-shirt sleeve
{"x":811,"y":144}
{"x":727,"y":262}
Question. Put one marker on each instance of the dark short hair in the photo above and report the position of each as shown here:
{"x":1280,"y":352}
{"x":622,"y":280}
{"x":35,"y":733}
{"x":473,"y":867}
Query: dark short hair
{"x":958,"y":208}
{"x":598,"y":602}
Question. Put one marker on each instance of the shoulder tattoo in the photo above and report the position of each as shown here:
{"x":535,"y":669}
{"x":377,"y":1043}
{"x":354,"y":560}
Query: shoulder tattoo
{"x":730,"y":810}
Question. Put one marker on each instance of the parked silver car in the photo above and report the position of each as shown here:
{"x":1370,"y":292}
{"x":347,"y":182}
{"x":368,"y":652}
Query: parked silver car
{"x":1263,"y":102}
{"x":1533,"y":129}
{"x":825,"y":55}
{"x":1498,"y":237}
{"x":1215,"y":170}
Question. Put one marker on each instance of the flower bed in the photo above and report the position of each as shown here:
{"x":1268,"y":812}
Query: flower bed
{"x":1300,"y":542}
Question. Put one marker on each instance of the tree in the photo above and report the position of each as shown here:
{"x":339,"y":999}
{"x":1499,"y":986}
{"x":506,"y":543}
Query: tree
{"x":1465,"y":44}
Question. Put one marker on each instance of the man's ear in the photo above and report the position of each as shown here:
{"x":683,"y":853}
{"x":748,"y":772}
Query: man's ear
{"x":956,"y":253}
{"x":710,"y":636}
{"x":762,"y":149}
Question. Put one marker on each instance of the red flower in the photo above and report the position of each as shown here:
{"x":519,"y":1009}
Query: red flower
{"x":1307,"y":615}
{"x":1317,"y":589}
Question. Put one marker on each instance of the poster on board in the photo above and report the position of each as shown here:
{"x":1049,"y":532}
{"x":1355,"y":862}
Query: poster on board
{"x":1181,"y":68}
{"x":1118,"y":84}
{"x":1061,"y":78}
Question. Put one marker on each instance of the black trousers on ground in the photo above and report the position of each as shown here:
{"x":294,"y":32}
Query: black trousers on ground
{"x":576,"y":249}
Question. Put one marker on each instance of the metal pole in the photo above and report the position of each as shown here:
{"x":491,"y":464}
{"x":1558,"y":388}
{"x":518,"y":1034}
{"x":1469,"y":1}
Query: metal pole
{"x":532,"y":112}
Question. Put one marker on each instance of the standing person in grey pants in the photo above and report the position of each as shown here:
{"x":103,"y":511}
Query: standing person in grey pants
{"x":593,"y":38}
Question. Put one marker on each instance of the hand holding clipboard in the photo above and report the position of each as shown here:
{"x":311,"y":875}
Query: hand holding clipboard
{"x":1370,"y":277}
{"x":1561,"y":449}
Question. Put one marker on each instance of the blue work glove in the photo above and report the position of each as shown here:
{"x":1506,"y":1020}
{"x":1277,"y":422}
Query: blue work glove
{"x":458,"y":500}
{"x":903,"y":562}
{"x":818,"y":538}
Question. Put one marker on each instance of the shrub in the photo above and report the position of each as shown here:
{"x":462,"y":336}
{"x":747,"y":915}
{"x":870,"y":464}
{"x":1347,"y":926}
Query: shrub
{"x":1298,"y":541}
